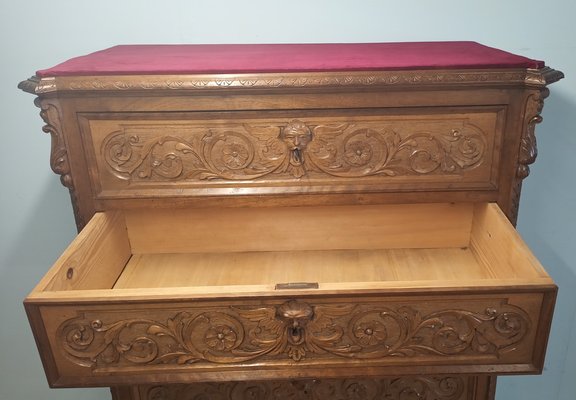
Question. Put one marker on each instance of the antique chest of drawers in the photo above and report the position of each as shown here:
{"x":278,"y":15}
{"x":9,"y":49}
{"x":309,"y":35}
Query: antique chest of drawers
{"x":293,"y":221}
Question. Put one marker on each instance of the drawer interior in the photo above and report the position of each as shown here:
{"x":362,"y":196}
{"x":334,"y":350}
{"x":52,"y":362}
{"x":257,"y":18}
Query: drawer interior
{"x":270,"y":250}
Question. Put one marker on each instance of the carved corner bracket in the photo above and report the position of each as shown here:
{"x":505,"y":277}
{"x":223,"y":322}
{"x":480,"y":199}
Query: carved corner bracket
{"x":59,"y":159}
{"x":58,"y":155}
{"x":528,"y":150}
{"x":528,"y":147}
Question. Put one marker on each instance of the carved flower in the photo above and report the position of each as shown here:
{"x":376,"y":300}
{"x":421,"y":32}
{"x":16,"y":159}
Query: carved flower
{"x":357,"y":391}
{"x":358,"y":153}
{"x":370,"y":333}
{"x":220,"y":337}
{"x":235,"y":155}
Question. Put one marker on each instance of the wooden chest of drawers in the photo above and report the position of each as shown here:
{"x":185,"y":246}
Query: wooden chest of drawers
{"x":311,"y":233}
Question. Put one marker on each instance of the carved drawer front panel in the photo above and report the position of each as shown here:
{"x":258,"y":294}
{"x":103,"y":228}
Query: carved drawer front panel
{"x":211,"y":153}
{"x":417,"y":387}
{"x":307,"y":337}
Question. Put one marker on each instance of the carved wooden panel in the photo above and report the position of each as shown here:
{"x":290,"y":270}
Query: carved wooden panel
{"x":418,"y":387}
{"x":299,"y":334}
{"x":456,"y":150}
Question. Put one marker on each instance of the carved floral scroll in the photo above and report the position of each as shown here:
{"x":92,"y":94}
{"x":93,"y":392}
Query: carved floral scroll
{"x":291,"y":150}
{"x":422,"y":388}
{"x":294,"y":330}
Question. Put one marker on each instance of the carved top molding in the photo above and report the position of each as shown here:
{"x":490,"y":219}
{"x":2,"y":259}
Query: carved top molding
{"x":131,"y":83}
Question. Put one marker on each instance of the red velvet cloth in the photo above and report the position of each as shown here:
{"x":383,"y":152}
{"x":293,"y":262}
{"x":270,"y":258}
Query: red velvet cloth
{"x":251,"y":58}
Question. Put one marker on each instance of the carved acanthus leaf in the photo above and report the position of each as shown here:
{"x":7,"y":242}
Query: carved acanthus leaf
{"x":528,"y":147}
{"x":59,"y":155}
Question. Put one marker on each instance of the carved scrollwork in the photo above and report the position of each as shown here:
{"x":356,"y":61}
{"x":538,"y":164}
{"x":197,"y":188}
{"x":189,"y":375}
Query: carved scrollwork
{"x":423,"y":388}
{"x":350,"y":151}
{"x":290,"y":151}
{"x":296,"y":330}
{"x":231,"y":155}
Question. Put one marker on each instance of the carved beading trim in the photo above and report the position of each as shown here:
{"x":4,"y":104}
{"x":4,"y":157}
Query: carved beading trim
{"x":292,"y":150}
{"x":294,"y":331}
{"x":421,"y":388}
{"x":123,"y":83}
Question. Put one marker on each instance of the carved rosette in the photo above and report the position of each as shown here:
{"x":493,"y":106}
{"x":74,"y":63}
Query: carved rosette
{"x":295,"y":331}
{"x":422,"y":388}
{"x":293,"y":150}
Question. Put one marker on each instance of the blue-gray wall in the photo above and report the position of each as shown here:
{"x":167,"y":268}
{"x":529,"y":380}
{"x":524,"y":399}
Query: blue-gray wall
{"x":35,"y":214}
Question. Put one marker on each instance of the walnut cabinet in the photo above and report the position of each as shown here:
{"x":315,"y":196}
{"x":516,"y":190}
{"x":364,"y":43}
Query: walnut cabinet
{"x":295,"y":234}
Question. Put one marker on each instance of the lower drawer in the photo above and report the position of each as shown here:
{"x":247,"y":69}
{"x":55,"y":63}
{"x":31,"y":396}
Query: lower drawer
{"x":174,"y":296}
{"x":456,"y":387}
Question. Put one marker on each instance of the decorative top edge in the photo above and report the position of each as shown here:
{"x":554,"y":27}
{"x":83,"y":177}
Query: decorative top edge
{"x":131,"y":83}
{"x":36,"y":85}
{"x":29,"y":85}
{"x":544,"y":76}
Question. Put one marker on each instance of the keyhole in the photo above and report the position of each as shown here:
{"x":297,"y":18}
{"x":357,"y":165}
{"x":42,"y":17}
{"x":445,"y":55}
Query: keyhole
{"x":297,"y":155}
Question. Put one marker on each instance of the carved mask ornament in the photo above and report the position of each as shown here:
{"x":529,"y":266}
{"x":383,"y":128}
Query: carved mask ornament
{"x":296,"y":135}
{"x":295,"y":315}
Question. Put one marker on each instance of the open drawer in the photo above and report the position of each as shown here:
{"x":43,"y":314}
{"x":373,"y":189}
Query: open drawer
{"x":184,"y":295}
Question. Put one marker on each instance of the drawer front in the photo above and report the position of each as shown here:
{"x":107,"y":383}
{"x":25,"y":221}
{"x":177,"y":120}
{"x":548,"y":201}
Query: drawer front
{"x":308,"y":337}
{"x":457,"y":387}
{"x":330,"y":151}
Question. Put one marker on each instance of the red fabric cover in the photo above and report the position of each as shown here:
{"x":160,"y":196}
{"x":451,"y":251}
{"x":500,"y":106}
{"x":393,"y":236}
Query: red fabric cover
{"x":250,"y":58}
